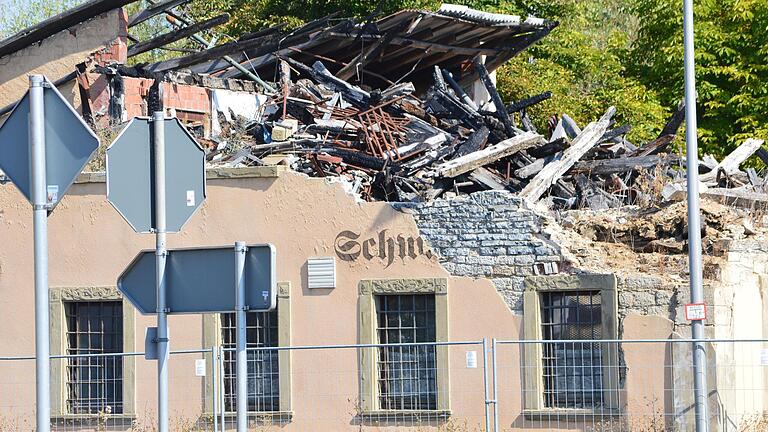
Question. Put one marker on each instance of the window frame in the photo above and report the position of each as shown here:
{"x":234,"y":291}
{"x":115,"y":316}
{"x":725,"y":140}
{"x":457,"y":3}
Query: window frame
{"x":58,"y":296}
{"x":533,"y":368}
{"x":368,"y":289}
{"x":266,"y":324}
{"x":212,"y":337}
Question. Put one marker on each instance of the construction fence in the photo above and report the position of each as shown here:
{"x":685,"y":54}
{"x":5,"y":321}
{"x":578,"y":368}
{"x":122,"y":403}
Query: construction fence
{"x":486,"y":385}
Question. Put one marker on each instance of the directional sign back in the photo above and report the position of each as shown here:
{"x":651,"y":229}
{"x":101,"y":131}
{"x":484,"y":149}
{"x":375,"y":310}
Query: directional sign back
{"x":69,"y":145}
{"x":201,"y":280}
{"x":131,"y":175}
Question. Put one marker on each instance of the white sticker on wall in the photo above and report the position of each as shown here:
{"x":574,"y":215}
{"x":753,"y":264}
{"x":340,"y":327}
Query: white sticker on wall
{"x":190,"y":198}
{"x":200,"y":367}
{"x":471,"y":359}
{"x":764,"y":357}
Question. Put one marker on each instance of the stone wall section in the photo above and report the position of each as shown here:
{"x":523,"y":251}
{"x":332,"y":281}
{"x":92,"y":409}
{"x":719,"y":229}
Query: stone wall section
{"x":491,"y":235}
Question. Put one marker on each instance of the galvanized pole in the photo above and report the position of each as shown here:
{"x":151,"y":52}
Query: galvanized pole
{"x":694,"y":221}
{"x":158,"y":126}
{"x":242,"y":355}
{"x":40,"y":223}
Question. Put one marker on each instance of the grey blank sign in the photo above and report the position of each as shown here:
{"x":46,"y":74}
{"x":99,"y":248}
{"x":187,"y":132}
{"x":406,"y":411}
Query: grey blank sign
{"x":201,"y":280}
{"x":130,"y":175}
{"x":69,"y":145}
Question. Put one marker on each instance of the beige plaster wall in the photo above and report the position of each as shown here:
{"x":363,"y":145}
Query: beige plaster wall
{"x":90,"y":245}
{"x":56,"y":56}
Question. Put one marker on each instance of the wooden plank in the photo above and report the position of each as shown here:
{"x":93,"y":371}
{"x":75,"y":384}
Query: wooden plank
{"x":488,"y":179}
{"x":493,"y":153}
{"x":58,"y":23}
{"x":154,"y":10}
{"x":585,"y":141}
{"x":173,"y":36}
{"x":730,"y":164}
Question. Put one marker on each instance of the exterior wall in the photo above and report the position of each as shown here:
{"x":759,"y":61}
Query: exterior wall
{"x":90,"y":245}
{"x":57,"y":56}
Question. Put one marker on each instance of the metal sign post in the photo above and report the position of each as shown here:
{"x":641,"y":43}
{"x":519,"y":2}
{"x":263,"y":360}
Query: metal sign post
{"x":242,"y":354}
{"x":158,"y":127}
{"x":40,"y":222}
{"x":694,"y":222}
{"x":44,"y":145}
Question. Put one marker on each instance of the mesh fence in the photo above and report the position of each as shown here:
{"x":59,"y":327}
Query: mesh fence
{"x":583,"y":385}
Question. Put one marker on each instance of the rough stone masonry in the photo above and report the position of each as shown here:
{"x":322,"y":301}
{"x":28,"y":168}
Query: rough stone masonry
{"x":489,"y":234}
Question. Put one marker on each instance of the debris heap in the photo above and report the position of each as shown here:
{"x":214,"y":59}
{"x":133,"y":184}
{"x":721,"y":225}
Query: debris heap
{"x":389,"y":144}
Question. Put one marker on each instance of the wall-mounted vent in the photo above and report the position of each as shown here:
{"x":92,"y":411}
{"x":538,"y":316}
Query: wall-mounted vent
{"x":322,"y":272}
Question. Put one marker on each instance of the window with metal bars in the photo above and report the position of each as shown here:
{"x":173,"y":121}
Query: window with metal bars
{"x":407,"y":375}
{"x":573,"y":371}
{"x":94,"y":383}
{"x":263,"y":371}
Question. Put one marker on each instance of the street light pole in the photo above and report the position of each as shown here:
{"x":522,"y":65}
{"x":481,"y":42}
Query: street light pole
{"x":694,"y":222}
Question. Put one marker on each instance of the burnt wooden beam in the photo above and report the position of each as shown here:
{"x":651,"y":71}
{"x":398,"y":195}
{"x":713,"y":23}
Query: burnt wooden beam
{"x":362,"y":59}
{"x":473,"y":143}
{"x":675,"y":121}
{"x":424,"y":45}
{"x":60,"y":22}
{"x":173,"y":36}
{"x":656,"y":146}
{"x":154,"y":10}
{"x":621,"y":165}
{"x":501,"y":110}
{"x":527,"y":102}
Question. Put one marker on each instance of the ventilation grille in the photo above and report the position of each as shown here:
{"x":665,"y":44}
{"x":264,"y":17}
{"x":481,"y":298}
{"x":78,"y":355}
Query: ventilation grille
{"x":321,"y":272}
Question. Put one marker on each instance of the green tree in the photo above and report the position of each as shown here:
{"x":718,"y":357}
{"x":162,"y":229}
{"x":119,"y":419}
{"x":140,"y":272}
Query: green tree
{"x":731,"y":41}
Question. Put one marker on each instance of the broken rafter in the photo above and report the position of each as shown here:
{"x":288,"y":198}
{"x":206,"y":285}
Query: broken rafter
{"x":154,"y":10}
{"x":424,"y":45}
{"x":501,"y":110}
{"x":60,"y":22}
{"x":260,"y":46}
{"x":730,"y":164}
{"x":176,"y":35}
{"x":493,"y":153}
{"x":366,"y":56}
{"x":585,"y":141}
{"x":525,"y":103}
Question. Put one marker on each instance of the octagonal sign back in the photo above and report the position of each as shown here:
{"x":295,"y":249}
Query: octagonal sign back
{"x":69,"y":145}
{"x":131,"y":174}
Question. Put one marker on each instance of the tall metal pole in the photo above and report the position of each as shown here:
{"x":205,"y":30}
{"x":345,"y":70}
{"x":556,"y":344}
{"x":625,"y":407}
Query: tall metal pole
{"x":242,"y":355}
{"x":40,"y":223}
{"x":158,"y":125}
{"x":694,"y":222}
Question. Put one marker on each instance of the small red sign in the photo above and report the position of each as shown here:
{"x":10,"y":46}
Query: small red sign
{"x":696,"y":312}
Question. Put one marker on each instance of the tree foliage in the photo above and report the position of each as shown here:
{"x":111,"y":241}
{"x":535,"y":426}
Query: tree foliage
{"x":626,"y":53}
{"x":731,"y":41}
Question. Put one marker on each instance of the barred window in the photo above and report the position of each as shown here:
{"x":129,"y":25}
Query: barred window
{"x":406,"y":375}
{"x":573,"y":373}
{"x":94,"y":383}
{"x":263,"y":373}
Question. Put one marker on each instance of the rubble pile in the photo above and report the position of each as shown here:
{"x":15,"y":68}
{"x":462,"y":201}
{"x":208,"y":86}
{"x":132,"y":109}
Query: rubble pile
{"x":389,"y":144}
